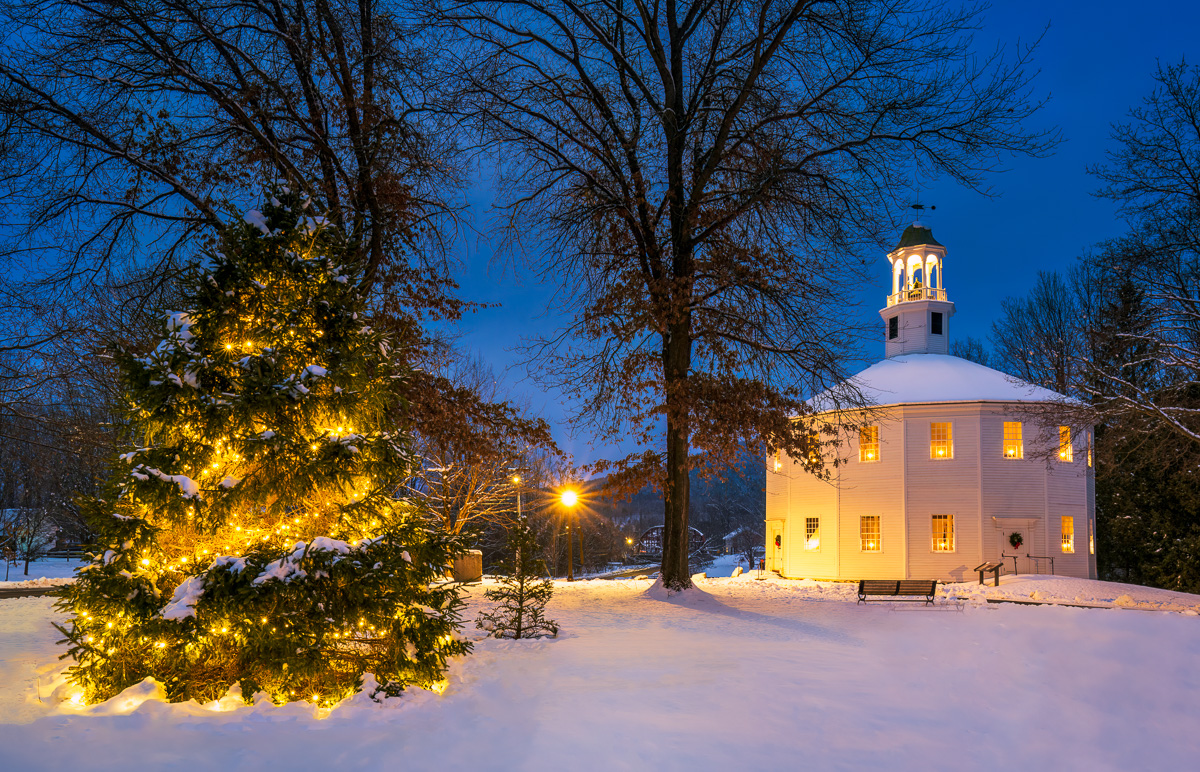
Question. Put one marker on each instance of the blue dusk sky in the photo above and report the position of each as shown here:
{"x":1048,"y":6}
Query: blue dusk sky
{"x":1096,"y":61}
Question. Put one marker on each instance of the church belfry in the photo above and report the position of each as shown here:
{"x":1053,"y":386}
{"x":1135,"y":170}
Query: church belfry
{"x":917,"y":316}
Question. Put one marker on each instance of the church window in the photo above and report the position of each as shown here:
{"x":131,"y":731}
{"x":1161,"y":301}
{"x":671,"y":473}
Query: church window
{"x":943,"y":533}
{"x":941,"y":441}
{"x":893,"y":328}
{"x":868,"y":443}
{"x":1068,"y":533}
{"x":935,"y":323}
{"x":812,"y":533}
{"x":1014,"y":447}
{"x":868,"y":533}
{"x":1065,"y":451}
{"x":776,"y":465}
{"x":812,"y":451}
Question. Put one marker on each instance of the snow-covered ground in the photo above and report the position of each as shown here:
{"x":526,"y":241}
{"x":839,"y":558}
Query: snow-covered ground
{"x":42,"y":573}
{"x":741,"y":674}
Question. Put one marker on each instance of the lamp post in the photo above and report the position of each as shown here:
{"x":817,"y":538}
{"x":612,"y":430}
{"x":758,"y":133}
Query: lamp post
{"x":516,"y":480}
{"x":569,"y":499}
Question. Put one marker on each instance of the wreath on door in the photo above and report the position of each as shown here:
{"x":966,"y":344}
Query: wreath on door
{"x":1016,"y":540}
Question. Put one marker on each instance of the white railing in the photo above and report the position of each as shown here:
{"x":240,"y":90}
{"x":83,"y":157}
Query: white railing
{"x":918,"y":293}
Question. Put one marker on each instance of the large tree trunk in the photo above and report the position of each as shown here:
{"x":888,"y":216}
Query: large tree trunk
{"x":677,"y":355}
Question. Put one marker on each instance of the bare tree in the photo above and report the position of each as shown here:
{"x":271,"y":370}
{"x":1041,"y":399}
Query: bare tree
{"x":478,"y":450}
{"x":131,"y":132}
{"x":971,"y":349}
{"x":702,"y":175}
{"x":139,"y":121}
{"x":1151,"y":366}
{"x":1039,"y":336}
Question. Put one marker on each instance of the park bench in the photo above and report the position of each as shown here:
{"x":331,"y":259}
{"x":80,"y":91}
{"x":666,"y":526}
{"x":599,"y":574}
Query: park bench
{"x":898,"y":589}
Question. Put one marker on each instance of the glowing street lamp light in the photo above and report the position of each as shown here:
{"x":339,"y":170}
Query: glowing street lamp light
{"x":569,"y":499}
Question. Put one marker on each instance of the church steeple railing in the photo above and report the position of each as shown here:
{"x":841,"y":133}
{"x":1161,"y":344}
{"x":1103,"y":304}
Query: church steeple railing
{"x":917,"y":293}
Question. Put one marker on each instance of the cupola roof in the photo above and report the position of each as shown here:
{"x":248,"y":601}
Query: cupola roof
{"x":917,"y":235}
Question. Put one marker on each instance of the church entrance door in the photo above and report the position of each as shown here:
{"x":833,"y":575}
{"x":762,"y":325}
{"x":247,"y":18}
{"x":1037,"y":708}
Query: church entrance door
{"x":775,"y":546}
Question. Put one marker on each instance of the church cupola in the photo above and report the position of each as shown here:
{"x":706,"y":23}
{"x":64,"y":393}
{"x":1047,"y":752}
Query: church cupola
{"x":917,"y":316}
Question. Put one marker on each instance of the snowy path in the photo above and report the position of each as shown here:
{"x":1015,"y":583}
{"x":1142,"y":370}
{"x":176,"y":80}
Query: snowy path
{"x":752,"y":675}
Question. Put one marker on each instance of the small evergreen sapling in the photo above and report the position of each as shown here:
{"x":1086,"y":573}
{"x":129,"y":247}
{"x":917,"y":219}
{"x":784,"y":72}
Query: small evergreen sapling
{"x":251,"y":533}
{"x":523,"y":592}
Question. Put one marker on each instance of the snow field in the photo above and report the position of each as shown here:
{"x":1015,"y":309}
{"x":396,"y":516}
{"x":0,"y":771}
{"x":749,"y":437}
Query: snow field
{"x":738,"y":674}
{"x":42,"y":573}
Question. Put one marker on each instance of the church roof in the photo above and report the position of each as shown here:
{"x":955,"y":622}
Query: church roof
{"x":925,"y":378}
{"x":915,"y":235}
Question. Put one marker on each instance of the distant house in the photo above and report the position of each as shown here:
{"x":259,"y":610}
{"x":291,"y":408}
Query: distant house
{"x":741,"y":540}
{"x":952,"y":470}
{"x":650,"y":542}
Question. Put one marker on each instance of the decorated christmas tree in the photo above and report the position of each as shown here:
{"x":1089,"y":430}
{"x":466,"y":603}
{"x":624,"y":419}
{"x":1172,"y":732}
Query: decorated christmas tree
{"x":523,"y":592}
{"x":251,"y":535}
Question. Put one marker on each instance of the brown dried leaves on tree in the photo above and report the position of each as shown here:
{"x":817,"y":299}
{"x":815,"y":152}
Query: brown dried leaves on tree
{"x":702,"y":177}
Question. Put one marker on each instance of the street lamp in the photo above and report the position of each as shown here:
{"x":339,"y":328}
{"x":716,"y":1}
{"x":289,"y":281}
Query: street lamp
{"x":569,"y":499}
{"x":516,"y":480}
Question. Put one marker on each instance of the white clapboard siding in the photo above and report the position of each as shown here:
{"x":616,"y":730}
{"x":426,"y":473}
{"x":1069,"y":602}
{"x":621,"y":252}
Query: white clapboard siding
{"x":809,"y":496}
{"x":874,"y":488}
{"x":943,"y":487}
{"x":988,"y":494}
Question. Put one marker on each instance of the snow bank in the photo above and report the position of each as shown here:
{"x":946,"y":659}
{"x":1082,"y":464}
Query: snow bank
{"x":1064,"y":589}
{"x":41,"y":581}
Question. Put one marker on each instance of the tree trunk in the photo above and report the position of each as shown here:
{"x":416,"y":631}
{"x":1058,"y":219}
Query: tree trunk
{"x":677,"y":361}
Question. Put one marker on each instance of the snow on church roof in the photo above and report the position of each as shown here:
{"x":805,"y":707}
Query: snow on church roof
{"x":917,"y":378}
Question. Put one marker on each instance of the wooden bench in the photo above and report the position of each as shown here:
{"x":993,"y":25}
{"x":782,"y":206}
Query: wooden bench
{"x":895,"y":589}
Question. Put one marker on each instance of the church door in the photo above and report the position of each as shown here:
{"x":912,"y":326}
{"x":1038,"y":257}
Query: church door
{"x":775,"y":545}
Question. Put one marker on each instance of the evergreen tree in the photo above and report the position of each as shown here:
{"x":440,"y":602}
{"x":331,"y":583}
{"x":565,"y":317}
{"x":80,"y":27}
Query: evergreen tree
{"x":251,"y":533}
{"x":523,"y":592}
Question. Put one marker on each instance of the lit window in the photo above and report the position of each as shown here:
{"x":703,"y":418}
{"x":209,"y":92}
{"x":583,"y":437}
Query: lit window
{"x":1089,"y":448}
{"x":1091,"y":537}
{"x":812,"y":533}
{"x":1065,"y":451}
{"x":1068,"y":533}
{"x":943,"y":533}
{"x":868,"y":531}
{"x":812,"y":455}
{"x":1013,"y":447}
{"x":868,"y":443}
{"x":941,"y":441}
{"x":777,"y":464}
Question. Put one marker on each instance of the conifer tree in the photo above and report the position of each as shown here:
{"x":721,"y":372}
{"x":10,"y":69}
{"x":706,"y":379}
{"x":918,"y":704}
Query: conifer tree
{"x":523,"y":592}
{"x":251,"y":533}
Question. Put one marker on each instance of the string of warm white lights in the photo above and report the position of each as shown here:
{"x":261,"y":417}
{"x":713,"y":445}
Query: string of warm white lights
{"x":252,"y":535}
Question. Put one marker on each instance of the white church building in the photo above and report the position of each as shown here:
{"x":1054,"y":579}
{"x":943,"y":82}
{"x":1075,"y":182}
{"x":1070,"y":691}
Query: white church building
{"x":951,"y":469}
